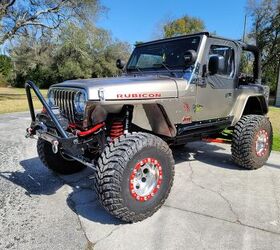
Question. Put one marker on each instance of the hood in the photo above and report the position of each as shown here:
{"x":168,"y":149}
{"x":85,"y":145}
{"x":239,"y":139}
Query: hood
{"x":125,"y":87}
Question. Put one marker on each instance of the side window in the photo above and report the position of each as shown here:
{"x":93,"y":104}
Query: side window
{"x":247,"y":63}
{"x":246,"y":73}
{"x":227,"y":60}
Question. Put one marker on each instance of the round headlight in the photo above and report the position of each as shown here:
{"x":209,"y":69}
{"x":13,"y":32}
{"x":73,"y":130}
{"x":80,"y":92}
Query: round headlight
{"x":80,"y":102}
{"x":51,"y":98}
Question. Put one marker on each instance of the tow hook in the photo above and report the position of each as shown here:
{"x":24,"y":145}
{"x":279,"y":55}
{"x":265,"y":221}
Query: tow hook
{"x":29,"y":133}
{"x":55,"y":146}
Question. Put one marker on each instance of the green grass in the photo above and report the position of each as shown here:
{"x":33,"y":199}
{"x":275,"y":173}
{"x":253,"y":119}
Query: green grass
{"x":276,"y":142}
{"x":274,"y":116}
{"x":14,"y":100}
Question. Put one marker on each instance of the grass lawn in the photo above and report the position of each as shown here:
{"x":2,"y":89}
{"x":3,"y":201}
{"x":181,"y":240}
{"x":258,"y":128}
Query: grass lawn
{"x":274,"y":116}
{"x":14,"y":100}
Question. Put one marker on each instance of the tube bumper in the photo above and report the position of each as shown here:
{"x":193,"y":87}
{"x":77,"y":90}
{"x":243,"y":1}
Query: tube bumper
{"x":60,"y":139}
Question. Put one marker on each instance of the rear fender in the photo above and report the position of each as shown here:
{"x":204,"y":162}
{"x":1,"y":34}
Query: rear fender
{"x":247,"y":105}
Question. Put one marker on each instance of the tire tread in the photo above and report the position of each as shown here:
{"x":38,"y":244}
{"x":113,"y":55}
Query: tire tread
{"x":111,"y":165}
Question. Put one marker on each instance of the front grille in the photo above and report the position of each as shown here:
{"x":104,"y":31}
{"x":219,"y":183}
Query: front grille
{"x":64,"y":99}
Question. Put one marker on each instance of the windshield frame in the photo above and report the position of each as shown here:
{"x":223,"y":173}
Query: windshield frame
{"x":162,"y":69}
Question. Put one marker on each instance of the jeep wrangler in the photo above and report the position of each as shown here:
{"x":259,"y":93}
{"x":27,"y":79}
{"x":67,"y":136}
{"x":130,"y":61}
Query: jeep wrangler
{"x":171,"y":92}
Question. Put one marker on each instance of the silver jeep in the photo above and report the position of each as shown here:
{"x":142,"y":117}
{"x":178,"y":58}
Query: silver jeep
{"x":171,"y":92}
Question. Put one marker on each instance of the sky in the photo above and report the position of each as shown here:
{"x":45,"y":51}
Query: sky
{"x":133,"y":21}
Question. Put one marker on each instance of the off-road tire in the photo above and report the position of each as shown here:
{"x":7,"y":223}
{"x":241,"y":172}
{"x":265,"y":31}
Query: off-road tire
{"x":56,"y":162}
{"x":115,"y":167}
{"x":244,"y":138}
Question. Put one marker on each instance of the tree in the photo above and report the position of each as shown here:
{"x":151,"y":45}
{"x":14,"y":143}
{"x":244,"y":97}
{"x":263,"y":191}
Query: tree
{"x":33,"y":60}
{"x":82,"y":51}
{"x":266,"y":33}
{"x":5,"y":65}
{"x":182,"y":26}
{"x":73,"y":59}
{"x":5,"y":69}
{"x":277,"y":103}
{"x":20,"y":17}
{"x":89,"y":52}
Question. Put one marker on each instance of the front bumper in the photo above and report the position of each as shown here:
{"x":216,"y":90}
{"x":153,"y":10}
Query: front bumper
{"x":49,"y":128}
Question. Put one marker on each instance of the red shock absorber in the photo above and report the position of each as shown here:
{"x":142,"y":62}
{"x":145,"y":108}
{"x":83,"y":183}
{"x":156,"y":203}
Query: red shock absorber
{"x":117,"y":130}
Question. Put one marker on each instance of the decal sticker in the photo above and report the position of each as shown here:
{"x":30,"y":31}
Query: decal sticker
{"x":197,"y":108}
{"x":187,"y":120}
{"x":139,"y":96}
{"x":187,"y":107}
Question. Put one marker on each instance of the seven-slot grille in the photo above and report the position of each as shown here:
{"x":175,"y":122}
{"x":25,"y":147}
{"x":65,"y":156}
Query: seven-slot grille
{"x":64,"y":99}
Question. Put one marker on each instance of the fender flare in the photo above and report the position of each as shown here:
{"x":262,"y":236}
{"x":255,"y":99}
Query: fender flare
{"x":242,"y":103}
{"x":153,"y":117}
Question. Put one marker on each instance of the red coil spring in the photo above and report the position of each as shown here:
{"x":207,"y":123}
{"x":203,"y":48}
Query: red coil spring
{"x":117,"y":130}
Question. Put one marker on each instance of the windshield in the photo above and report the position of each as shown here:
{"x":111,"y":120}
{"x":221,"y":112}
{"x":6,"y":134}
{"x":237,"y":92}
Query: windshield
{"x":163,"y":55}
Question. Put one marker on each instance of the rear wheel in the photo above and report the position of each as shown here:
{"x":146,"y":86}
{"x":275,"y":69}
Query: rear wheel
{"x":134,"y":177}
{"x":58,"y":163}
{"x":252,"y":141}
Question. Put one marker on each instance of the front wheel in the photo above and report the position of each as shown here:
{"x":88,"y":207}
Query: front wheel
{"x":134,"y":176}
{"x":252,"y":141}
{"x":58,"y":163}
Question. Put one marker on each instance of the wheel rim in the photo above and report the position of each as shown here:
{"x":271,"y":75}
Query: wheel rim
{"x":146,"y":179}
{"x":262,"y":140}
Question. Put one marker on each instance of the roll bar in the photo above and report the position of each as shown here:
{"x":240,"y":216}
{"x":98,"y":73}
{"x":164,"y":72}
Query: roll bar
{"x":30,"y":85}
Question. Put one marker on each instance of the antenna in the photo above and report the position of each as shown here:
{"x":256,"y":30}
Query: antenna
{"x":244,"y":29}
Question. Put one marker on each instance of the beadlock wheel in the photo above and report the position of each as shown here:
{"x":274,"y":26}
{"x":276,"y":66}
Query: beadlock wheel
{"x":146,"y":179}
{"x":134,"y":176}
{"x":252,"y":141}
{"x":262,"y":143}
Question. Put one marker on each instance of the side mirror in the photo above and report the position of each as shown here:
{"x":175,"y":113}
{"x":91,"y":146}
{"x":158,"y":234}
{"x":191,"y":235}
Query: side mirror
{"x":120,"y":64}
{"x":190,"y":57}
{"x":216,"y":64}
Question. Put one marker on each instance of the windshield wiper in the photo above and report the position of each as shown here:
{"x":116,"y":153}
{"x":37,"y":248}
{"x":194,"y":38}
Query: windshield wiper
{"x":165,"y":66}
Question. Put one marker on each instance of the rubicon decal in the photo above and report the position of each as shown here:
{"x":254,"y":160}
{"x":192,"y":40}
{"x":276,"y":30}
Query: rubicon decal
{"x":139,"y":96}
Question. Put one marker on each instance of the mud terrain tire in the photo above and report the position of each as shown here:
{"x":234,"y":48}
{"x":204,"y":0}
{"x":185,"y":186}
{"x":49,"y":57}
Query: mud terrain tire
{"x":121,"y":164}
{"x":56,"y":162}
{"x":247,"y":132}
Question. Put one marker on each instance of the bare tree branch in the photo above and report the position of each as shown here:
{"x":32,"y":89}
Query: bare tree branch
{"x":42,"y":14}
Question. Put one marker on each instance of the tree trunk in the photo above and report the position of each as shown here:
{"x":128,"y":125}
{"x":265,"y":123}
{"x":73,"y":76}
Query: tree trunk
{"x":277,"y":103}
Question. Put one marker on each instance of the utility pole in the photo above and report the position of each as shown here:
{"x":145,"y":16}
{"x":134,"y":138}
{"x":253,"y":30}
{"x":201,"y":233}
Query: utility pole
{"x":277,"y":103}
{"x":244,"y":29}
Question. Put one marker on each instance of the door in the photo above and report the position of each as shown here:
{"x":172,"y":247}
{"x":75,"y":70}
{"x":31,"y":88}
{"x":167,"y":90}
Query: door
{"x":214,"y":98}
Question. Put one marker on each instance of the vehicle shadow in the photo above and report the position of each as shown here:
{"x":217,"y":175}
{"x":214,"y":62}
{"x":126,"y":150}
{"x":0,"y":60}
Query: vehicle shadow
{"x":273,"y":165}
{"x":208,"y":153}
{"x":36,"y":179}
